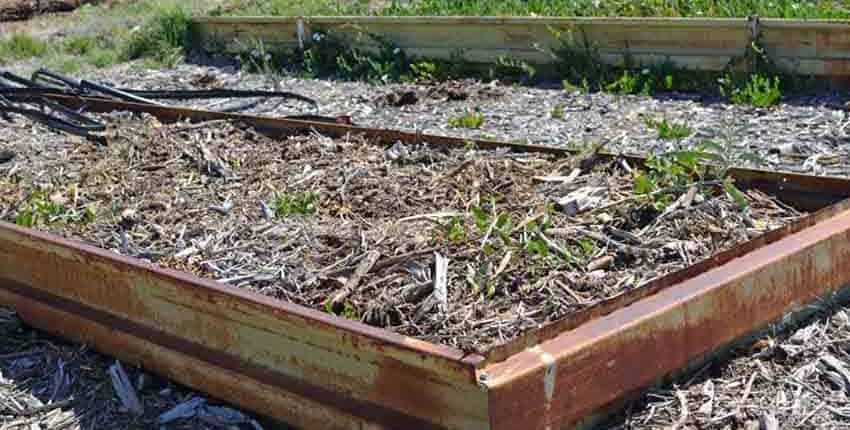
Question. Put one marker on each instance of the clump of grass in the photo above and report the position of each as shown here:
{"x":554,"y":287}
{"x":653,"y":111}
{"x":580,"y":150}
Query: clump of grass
{"x":670,"y":130}
{"x":693,"y":8}
{"x":467,"y":120}
{"x":759,"y":91}
{"x":286,"y":205}
{"x":21,"y":46}
{"x":162,"y":38}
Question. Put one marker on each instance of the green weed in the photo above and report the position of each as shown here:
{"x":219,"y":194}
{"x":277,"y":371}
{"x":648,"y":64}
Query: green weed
{"x":537,"y":247}
{"x":558,"y":112}
{"x":467,"y":120}
{"x":286,"y":205}
{"x":424,"y":71}
{"x":512,"y":69}
{"x":759,"y":91}
{"x":453,"y":230}
{"x":162,"y":38}
{"x":670,"y":130}
{"x":669,"y":174}
{"x":21,"y":46}
{"x":349,"y":311}
{"x":627,"y":83}
{"x":38,"y":207}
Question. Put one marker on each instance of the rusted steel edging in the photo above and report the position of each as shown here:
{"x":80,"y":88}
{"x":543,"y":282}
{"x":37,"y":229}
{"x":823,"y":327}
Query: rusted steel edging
{"x":307,"y":358}
{"x":557,"y":383}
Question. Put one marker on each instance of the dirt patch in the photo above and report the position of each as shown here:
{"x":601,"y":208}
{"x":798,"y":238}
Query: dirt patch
{"x":456,"y":246}
{"x":438,"y":92}
{"x":18,"y":10}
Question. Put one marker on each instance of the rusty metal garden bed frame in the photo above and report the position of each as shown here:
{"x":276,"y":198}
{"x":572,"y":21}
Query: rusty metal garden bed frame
{"x":317,"y":371}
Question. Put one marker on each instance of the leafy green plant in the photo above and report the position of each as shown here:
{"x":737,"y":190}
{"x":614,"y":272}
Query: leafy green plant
{"x":627,"y":83}
{"x":453,"y":229}
{"x":424,"y":71}
{"x":501,"y":225}
{"x":670,"y":130}
{"x":467,"y":120}
{"x":513,"y":69}
{"x":759,"y":91}
{"x":258,"y":58}
{"x":586,"y":248}
{"x":537,"y":247}
{"x":79,"y":45}
{"x":286,"y":205}
{"x":349,"y":311}
{"x":582,"y":88}
{"x":38,"y":207}
{"x":669,"y":174}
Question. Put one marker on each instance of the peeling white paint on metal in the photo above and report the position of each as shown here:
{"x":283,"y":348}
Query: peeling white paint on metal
{"x":548,"y":377}
{"x":299,"y":25}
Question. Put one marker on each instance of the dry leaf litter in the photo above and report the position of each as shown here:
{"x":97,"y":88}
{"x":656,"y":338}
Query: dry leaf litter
{"x":358,"y":229}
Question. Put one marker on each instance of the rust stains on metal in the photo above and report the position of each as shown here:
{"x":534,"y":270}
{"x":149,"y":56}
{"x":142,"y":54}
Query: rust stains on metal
{"x":607,"y":306}
{"x":607,"y":357}
{"x":311,"y":356}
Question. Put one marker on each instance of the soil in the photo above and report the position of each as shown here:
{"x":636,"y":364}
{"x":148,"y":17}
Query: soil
{"x":19,"y":10}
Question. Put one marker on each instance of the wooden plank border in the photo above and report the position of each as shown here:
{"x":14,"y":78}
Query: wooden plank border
{"x":805,"y":47}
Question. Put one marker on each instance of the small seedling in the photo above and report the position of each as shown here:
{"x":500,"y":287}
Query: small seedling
{"x":558,"y":112}
{"x":537,"y":247}
{"x":735,"y":194}
{"x":670,"y":130}
{"x":586,"y":248}
{"x":627,"y":83}
{"x":501,"y":227}
{"x":348,"y":310}
{"x":455,"y":230}
{"x":38,"y":206}
{"x":286,"y":205}
{"x":467,"y":120}
{"x":21,"y":46}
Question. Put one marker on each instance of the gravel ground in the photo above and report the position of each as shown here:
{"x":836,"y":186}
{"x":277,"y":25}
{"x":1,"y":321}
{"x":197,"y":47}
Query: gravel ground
{"x":803,"y":134}
{"x":796,"y":381}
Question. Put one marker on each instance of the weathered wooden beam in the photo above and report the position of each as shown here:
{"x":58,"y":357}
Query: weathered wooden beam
{"x":803,"y":47}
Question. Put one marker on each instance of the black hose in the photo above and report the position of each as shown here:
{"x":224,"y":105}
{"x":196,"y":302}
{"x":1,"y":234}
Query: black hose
{"x":52,"y":121}
{"x":144,"y":96}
